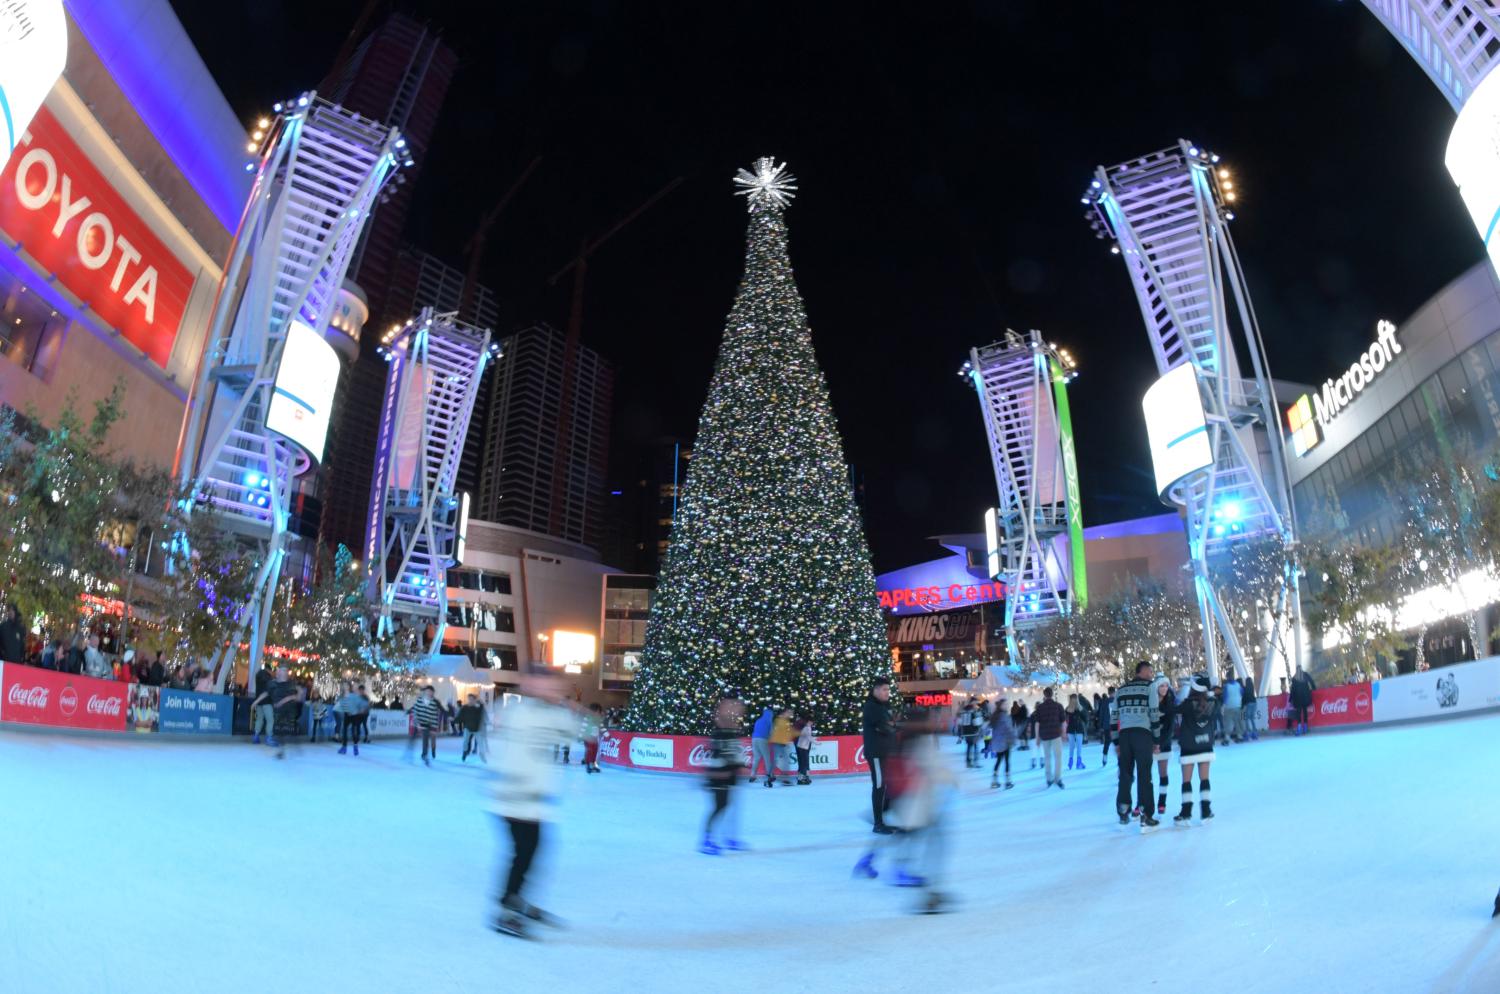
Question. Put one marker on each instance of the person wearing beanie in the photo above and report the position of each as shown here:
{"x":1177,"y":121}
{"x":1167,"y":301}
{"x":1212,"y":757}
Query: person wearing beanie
{"x":1195,"y":741}
{"x":1166,"y":703}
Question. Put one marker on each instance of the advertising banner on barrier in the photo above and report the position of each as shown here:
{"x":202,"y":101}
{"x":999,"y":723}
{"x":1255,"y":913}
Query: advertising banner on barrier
{"x":34,"y":696}
{"x":143,"y":714}
{"x":185,"y":713}
{"x":1443,"y":691}
{"x":1347,"y":705}
{"x":690,"y":753}
{"x":385,"y":722}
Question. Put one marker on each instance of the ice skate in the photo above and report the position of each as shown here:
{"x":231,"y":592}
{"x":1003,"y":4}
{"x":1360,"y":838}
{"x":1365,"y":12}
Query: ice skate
{"x":865,"y":868}
{"x":934,"y":904}
{"x":1206,"y":815}
{"x":735,"y":845}
{"x":342,"y":750}
{"x":255,"y":739}
{"x":356,"y":748}
{"x":994,"y":782}
{"x":708,"y":848}
{"x":509,"y":923}
{"x":904,"y":879}
{"x":1185,"y":818}
{"x":1009,"y":785}
{"x":1059,"y":785}
{"x":804,"y":781}
{"x":1149,"y":823}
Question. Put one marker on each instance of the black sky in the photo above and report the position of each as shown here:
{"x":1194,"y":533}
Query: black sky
{"x":941,"y":149}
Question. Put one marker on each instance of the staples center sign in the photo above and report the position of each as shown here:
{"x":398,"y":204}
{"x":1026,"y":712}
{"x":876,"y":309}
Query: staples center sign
{"x":65,"y":213}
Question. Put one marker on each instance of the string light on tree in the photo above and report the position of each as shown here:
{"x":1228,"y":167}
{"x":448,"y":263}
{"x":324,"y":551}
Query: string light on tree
{"x":767,"y":589}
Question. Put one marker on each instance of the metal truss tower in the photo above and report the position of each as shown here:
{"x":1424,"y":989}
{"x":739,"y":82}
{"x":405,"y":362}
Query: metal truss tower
{"x":1168,"y":214}
{"x":416,"y":522}
{"x":247,"y":435}
{"x":1456,"y":42}
{"x":1022,"y":387}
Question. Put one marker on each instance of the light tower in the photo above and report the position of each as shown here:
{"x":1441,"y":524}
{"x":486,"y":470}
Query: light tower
{"x":1457,"y":43}
{"x":1022,"y":387}
{"x":1168,"y":215}
{"x":415,"y":528}
{"x":258,"y":414}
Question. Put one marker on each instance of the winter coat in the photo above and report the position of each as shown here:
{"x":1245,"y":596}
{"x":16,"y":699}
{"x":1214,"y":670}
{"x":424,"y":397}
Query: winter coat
{"x":1050,"y":717}
{"x":470,"y":716}
{"x":12,"y":642}
{"x":1196,"y":735}
{"x":1249,"y":692}
{"x":1167,"y":717}
{"x":1302,"y":690}
{"x":782,"y":732}
{"x":1233,"y":694}
{"x":426,"y":711}
{"x":525,"y":784}
{"x":762,"y":728}
{"x":805,"y":737}
{"x":1136,"y":707}
{"x":95,"y":665}
{"x":1002,"y":732}
{"x":1077,"y":721}
{"x":879,"y":733}
{"x":725,"y":757}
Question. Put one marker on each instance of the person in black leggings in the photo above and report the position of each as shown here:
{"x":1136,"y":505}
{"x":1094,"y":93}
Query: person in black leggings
{"x":1002,"y":740}
{"x":1106,"y":723}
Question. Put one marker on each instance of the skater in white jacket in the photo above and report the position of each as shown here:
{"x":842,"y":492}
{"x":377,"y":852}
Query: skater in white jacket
{"x":525,"y":790}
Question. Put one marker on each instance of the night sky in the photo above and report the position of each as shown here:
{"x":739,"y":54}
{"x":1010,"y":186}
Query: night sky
{"x":941,"y":149}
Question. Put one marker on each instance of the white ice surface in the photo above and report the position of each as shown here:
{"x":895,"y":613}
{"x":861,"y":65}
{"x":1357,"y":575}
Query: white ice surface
{"x":1338,"y":863}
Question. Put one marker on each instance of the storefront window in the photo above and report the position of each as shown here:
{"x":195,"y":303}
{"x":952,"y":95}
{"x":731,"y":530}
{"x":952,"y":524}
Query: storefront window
{"x":31,"y":330}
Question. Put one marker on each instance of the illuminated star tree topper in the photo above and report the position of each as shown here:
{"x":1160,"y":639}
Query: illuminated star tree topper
{"x":769,"y":182}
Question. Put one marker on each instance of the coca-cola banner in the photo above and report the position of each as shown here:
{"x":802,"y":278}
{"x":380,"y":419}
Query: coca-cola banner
{"x":1347,"y":705}
{"x":1443,"y":691}
{"x":690,"y":753}
{"x":34,"y":696}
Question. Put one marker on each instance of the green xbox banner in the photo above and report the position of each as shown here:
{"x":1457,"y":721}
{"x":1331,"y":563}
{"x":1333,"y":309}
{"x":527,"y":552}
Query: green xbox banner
{"x":1079,"y":585}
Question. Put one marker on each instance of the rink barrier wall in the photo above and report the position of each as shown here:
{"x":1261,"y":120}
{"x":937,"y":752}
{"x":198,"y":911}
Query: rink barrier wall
{"x":30,"y":695}
{"x":831,"y":755}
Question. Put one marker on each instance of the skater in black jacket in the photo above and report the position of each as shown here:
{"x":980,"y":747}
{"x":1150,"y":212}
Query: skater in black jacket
{"x":725,"y":757}
{"x":1195,"y":739}
{"x":879,"y":735}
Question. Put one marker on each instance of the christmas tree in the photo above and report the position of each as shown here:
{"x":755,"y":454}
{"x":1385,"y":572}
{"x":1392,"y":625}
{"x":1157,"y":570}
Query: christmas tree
{"x":767,"y":589}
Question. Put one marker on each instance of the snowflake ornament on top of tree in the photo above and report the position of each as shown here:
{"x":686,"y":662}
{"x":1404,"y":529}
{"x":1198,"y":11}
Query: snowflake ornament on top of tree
{"x":766,"y":591}
{"x":770,"y":181}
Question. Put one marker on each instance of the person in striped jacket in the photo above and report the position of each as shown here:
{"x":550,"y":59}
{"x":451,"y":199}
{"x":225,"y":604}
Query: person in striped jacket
{"x":426,"y":714}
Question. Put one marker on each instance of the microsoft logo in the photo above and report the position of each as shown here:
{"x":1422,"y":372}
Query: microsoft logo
{"x":1306,"y":433}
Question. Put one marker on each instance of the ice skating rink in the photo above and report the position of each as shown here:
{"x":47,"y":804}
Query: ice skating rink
{"x":1350,"y":862}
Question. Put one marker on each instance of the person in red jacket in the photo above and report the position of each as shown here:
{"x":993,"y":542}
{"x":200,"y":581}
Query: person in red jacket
{"x":1051,"y":719}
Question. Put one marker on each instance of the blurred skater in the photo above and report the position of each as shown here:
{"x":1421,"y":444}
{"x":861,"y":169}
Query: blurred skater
{"x":1078,"y":722}
{"x":724,"y":761}
{"x":354,"y":706}
{"x":922,"y":785}
{"x":525,"y":791}
{"x":1003,"y":740}
{"x":425,"y":715}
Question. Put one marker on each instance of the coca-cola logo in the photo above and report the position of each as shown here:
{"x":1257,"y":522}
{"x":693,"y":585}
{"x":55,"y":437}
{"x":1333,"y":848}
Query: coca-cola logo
{"x":67,"y":701}
{"x":1337,"y":706}
{"x":700,"y":756}
{"x":609,"y":745}
{"x":1278,"y":712}
{"x":103,"y":705}
{"x":27,"y":697}
{"x":859,"y":756}
{"x":1362,"y":704}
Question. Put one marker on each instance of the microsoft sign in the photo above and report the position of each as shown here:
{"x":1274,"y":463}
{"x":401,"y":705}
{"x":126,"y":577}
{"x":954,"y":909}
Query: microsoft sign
{"x":1309,"y":417}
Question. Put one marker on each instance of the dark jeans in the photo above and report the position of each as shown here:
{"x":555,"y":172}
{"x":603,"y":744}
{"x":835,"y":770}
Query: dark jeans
{"x":719,"y":794}
{"x":429,"y":743}
{"x":999,"y":757}
{"x":804,"y":760}
{"x":971,"y":750}
{"x":352,"y":725}
{"x":877,"y":788}
{"x":525,"y":837}
{"x":1136,"y":750}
